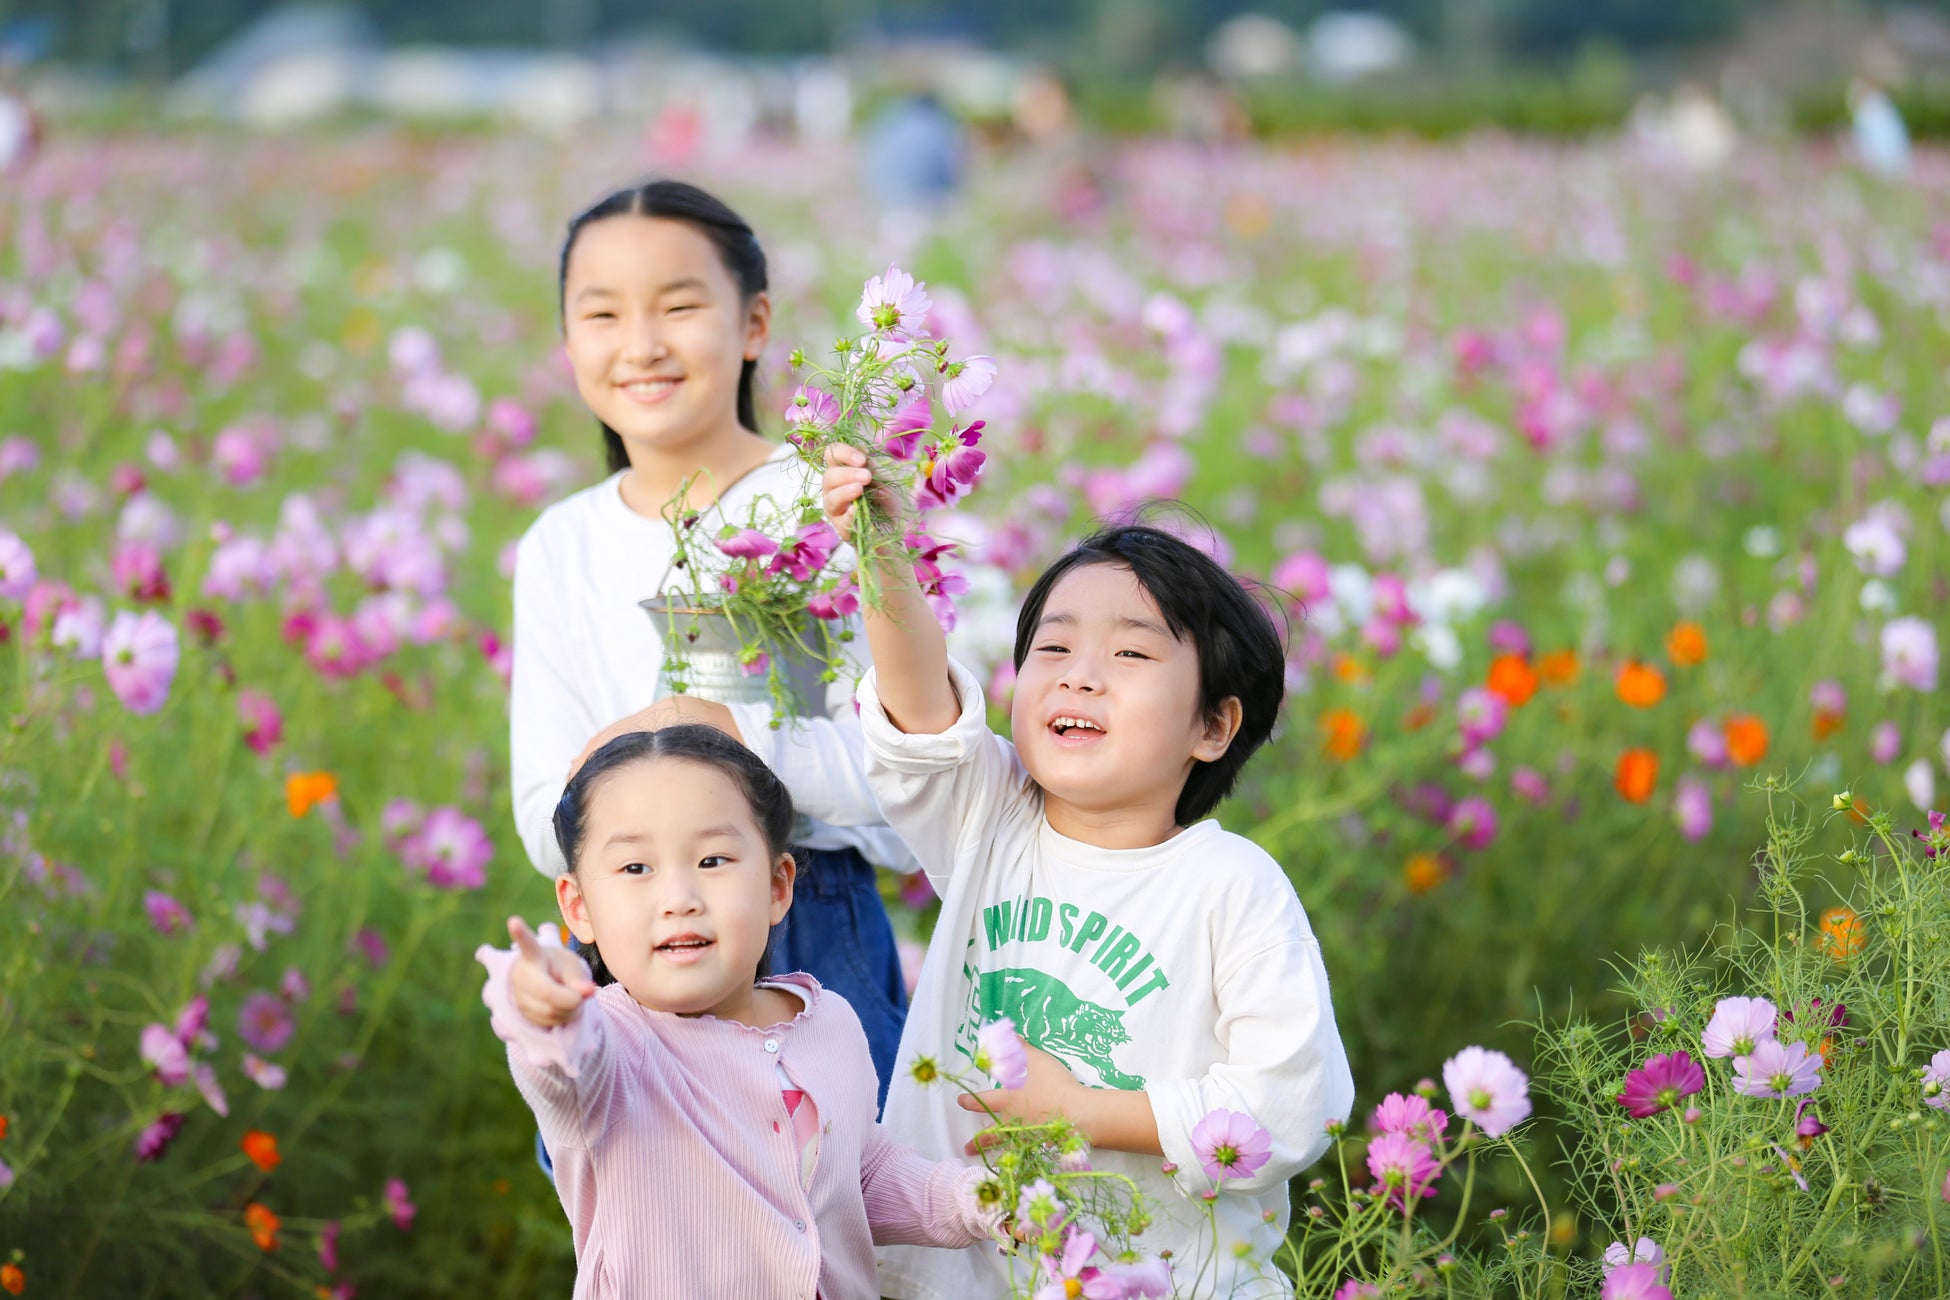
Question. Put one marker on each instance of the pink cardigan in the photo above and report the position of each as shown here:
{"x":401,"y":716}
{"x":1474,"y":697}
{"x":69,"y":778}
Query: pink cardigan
{"x":675,"y":1158}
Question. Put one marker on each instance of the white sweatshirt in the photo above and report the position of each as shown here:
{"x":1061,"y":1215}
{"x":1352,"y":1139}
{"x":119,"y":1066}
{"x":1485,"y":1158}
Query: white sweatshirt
{"x":585,"y":655}
{"x":1187,"y":969}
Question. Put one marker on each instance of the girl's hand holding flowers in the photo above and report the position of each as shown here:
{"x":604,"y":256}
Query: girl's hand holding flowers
{"x":549,"y":984}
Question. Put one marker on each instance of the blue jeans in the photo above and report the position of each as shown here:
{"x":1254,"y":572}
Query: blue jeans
{"x":837,"y":931}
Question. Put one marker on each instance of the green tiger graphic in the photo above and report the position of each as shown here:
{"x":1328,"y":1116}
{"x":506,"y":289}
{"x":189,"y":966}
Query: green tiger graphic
{"x":1053,"y":1018}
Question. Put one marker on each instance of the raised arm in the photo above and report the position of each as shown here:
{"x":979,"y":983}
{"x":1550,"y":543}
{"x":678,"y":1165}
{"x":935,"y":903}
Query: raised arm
{"x":910,"y":654}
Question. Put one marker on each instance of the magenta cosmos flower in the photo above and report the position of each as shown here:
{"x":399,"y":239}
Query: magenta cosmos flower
{"x":17,"y":571}
{"x":1229,"y":1144}
{"x":166,"y":914}
{"x":1355,"y":1289}
{"x":1634,"y":1282}
{"x":1411,"y":1115}
{"x":399,"y":1204}
{"x":1692,"y":808}
{"x":139,"y":657}
{"x":1000,"y":1053}
{"x":747,"y":544}
{"x":153,"y":1141}
{"x":1070,"y":1274}
{"x":1487,"y":1087}
{"x":1777,"y":1070}
{"x":1739,"y":1025}
{"x":164,"y":1053}
{"x":893,"y":303}
{"x":814,"y":406}
{"x":1660,"y":1083}
{"x":1402,"y":1167}
{"x":452,"y":848}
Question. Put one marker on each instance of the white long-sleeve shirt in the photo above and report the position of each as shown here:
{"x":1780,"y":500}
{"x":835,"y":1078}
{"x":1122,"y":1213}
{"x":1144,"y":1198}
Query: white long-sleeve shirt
{"x":1187,"y":969}
{"x":586,"y":655}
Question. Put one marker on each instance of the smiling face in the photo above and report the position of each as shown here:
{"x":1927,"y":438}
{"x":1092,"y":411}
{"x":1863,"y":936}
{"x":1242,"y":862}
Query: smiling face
{"x":1107,"y":714}
{"x":676,"y":887}
{"x":657,"y":331}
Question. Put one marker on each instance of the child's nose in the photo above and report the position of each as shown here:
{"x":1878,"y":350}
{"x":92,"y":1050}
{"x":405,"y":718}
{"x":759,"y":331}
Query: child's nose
{"x":644,"y":341}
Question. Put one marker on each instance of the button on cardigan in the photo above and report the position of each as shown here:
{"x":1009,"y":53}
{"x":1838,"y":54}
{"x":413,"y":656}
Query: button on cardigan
{"x":675,"y":1157}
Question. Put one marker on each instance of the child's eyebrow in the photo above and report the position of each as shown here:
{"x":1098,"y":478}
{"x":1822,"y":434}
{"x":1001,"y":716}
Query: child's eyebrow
{"x":689,"y":282}
{"x":1123,"y":620}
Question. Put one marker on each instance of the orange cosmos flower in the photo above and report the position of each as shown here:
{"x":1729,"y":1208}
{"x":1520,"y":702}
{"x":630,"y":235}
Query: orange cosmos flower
{"x":1350,"y":670}
{"x":1512,"y":677}
{"x":1345,"y":733}
{"x":303,"y":790}
{"x":1686,"y":645}
{"x":1746,"y":739}
{"x":1418,"y":717}
{"x":1638,"y":772}
{"x":1827,"y":723}
{"x":1841,"y":933}
{"x":1424,"y":871}
{"x":263,"y":1224}
{"x":3,"y":1127}
{"x":1640,"y":685}
{"x":262,"y":1149}
{"x":12,"y":1280}
{"x":1558,"y":668}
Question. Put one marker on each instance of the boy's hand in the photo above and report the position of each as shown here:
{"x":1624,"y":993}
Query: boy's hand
{"x":847,"y":479}
{"x":549,"y":985}
{"x":1051,"y":1090}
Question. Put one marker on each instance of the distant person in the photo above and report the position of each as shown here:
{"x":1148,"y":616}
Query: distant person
{"x":916,"y":152}
{"x":20,"y":130}
{"x":1876,"y":124}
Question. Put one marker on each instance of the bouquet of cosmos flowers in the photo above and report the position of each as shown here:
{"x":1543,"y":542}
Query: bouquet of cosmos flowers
{"x":765,"y":615}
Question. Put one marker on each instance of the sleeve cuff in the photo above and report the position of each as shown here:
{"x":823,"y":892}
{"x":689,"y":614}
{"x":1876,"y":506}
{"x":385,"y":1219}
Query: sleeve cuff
{"x":564,"y":1050}
{"x":904,"y":751}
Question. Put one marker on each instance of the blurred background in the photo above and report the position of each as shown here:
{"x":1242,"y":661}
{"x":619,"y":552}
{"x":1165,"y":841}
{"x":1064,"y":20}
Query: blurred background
{"x":724,"y":70}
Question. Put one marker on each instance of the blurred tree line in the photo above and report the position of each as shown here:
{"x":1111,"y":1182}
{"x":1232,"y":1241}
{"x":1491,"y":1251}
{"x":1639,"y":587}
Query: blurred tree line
{"x":1089,"y":37}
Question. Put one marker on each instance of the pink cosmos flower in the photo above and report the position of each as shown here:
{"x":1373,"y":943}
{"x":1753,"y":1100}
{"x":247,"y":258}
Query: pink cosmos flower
{"x":1876,"y":545}
{"x":1230,"y":1144}
{"x":17,"y":571}
{"x":1530,"y":785}
{"x":812,"y":406}
{"x":747,"y":544}
{"x":79,"y":625}
{"x":1692,"y":808}
{"x":1634,"y":1282}
{"x":328,"y":1246}
{"x":166,"y":915}
{"x":1473,"y":822}
{"x":1070,"y":1274}
{"x":262,"y":1073}
{"x":1885,"y":742}
{"x":263,"y":724}
{"x":1481,"y":715}
{"x":136,"y":569}
{"x":240,"y":455}
{"x":6,"y":1176}
{"x":1147,"y":1279}
{"x":911,"y":419}
{"x":1909,"y":653}
{"x":1000,"y":1053}
{"x":838,"y":601}
{"x":1660,"y":1083}
{"x":1355,"y":1289}
{"x":756,"y":666}
{"x":964,"y":381}
{"x":399,"y":1204}
{"x":139,"y":657}
{"x":893,"y":303}
{"x":1643,"y":1251}
{"x":1936,"y":1081}
{"x":164,"y":1053}
{"x":1778,"y":1070}
{"x":334,"y":647}
{"x":1040,"y":1206}
{"x":452,"y":849}
{"x":1487,"y":1087}
{"x":154,"y":1141}
{"x":264,"y":1023}
{"x":207,"y":1083}
{"x":1403,"y":1168}
{"x":1738,"y":1026}
{"x":1827,"y":696}
{"x":1707,"y":743}
{"x":512,"y":421}
{"x":1411,"y":1114}
{"x":950,"y":470}
{"x":192,"y":1021}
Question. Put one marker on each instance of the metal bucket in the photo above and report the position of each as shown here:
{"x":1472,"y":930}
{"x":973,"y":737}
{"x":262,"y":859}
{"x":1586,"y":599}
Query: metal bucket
{"x":708,"y":646}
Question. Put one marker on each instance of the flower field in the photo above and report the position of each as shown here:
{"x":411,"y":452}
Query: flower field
{"x":1608,"y":505}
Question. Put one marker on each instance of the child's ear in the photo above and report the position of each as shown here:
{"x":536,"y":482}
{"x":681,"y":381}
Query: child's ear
{"x":758,"y":324}
{"x":1221,"y":725}
{"x":574,"y":908}
{"x":784,"y":873}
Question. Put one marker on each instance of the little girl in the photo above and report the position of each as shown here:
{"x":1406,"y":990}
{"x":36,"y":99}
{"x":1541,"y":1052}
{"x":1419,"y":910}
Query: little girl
{"x":713,"y":1134}
{"x":1159,"y":968}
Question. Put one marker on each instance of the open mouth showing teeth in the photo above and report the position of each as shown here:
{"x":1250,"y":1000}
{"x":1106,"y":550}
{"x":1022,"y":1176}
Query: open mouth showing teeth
{"x":1066,"y":726}
{"x":683,"y":945}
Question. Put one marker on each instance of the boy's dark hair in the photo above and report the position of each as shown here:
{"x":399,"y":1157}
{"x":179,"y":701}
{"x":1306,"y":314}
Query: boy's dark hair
{"x":736,"y":244}
{"x":1239,"y":650}
{"x":770,"y":801}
